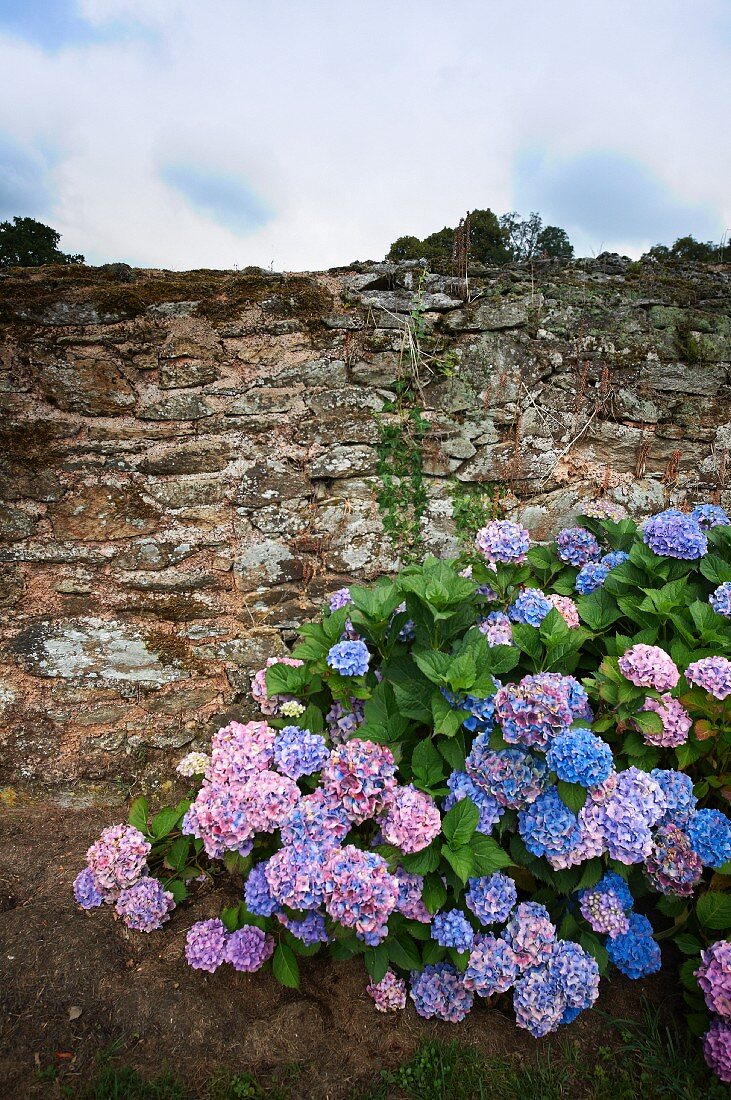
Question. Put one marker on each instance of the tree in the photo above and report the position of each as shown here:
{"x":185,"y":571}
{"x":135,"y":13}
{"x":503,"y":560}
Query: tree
{"x":528,"y":238}
{"x":405,"y":248}
{"x":554,"y":242}
{"x":487,"y":244}
{"x":25,"y":242}
{"x":688,"y":249}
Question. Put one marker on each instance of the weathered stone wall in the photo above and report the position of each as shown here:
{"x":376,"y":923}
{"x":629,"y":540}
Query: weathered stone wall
{"x":189,"y":463}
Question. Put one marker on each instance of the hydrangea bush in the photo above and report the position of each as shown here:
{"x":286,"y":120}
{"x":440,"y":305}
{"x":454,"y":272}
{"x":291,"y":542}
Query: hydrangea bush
{"x":502,"y":775}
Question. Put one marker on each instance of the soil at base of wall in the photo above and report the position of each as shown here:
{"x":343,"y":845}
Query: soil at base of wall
{"x":137,"y":994}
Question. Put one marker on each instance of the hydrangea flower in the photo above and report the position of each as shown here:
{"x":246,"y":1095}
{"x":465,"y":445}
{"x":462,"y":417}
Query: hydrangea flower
{"x":720,"y":599}
{"x":623,"y":818}
{"x":530,"y":934}
{"x":577,"y":546}
{"x":359,"y":892}
{"x":86,"y":891}
{"x":635,"y":953}
{"x":672,"y":866}
{"x":503,"y":541}
{"x":267,"y":705}
{"x":291,"y":708}
{"x":296,"y":876}
{"x":462,"y":786}
{"x":649,"y":666}
{"x":579,"y":756}
{"x":710,"y":835}
{"x":613,"y":883}
{"x":532,"y":712}
{"x":547,"y":826}
{"x":438,"y":990}
{"x":409,"y":901}
{"x":220,"y":819}
{"x":349,"y":658}
{"x":248,"y":948}
{"x":538,"y":1002}
{"x":679,"y":798}
{"x":615,"y":558}
{"x":452,"y":929}
{"x":341,"y":598}
{"x":717,"y":1049}
{"x":714,"y":977}
{"x":389,"y":994}
{"x":239,"y":751}
{"x":576,"y":974}
{"x":257,"y":894}
{"x":492,"y":966}
{"x":603,"y":509}
{"x":342,"y":721}
{"x":361,"y":776}
{"x":195,"y":763}
{"x":145,"y":906}
{"x":530,"y":607}
{"x":604,"y":912}
{"x":412,"y":819}
{"x":482,"y":713}
{"x":298,"y":752}
{"x":673,"y":534}
{"x":311,"y":929}
{"x":566,"y":609}
{"x":205,"y":945}
{"x":591,"y":576}
{"x":512,"y":777}
{"x":713,"y":674}
{"x":268,"y":797}
{"x":676,"y":722}
{"x":491,"y":898}
{"x":497,"y":628}
{"x":710,"y":515}
{"x":318,"y":818}
{"x":118,"y":858}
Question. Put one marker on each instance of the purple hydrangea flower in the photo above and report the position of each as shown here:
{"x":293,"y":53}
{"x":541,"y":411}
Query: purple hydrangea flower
{"x":412,"y":819}
{"x":503,"y":541}
{"x":717,"y":1049}
{"x":248,"y":948}
{"x":145,"y":906}
{"x":86,"y":891}
{"x":530,"y":607}
{"x":118,"y":858}
{"x":342,"y":721}
{"x":590,"y":577}
{"x":710,"y":834}
{"x":492,"y":966}
{"x":577,"y":546}
{"x":576,"y":973}
{"x":462,"y":786}
{"x":438,"y":990}
{"x":452,"y":929}
{"x":710,"y":515}
{"x":533,"y":711}
{"x":720,"y":599}
{"x":496,"y":628}
{"x":615,"y":884}
{"x":579,"y":756}
{"x":713,"y":674}
{"x":311,"y":929}
{"x":257,"y":895}
{"x":296,"y":876}
{"x":603,"y":509}
{"x":389,"y":994}
{"x":635,"y":953}
{"x":359,"y":892}
{"x":360,"y":775}
{"x":409,"y":902}
{"x":676,"y":722}
{"x":531,"y":935}
{"x":205,"y":945}
{"x":491,"y":898}
{"x":514,"y":778}
{"x":674,"y":535}
{"x":547,"y":826}
{"x":341,"y":598}
{"x":298,"y":752}
{"x":679,"y":798}
{"x":649,"y":666}
{"x":318,"y":818}
{"x":349,"y":658}
{"x":714,"y":977}
{"x":604,"y":911}
{"x":672,"y":866}
{"x":538,"y":1002}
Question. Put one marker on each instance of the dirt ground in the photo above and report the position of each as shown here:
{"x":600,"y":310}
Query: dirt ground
{"x":137,"y":993}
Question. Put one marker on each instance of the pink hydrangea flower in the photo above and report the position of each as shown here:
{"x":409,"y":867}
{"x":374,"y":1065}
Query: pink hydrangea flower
{"x":240,"y":750}
{"x":649,"y":666}
{"x":676,"y":722}
{"x":412,"y":819}
{"x":118,"y":858}
{"x":361,"y":776}
{"x":359,"y":892}
{"x":565,"y":607}
{"x":269,"y":797}
{"x":389,"y":994}
{"x":714,"y":977}
{"x":717,"y":1049}
{"x":713,"y":674}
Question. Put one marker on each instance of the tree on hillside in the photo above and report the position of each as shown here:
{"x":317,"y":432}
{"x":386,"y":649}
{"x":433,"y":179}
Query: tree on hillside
{"x":689,"y":249}
{"x":25,"y":242}
{"x":529,"y":239}
{"x":493,"y":240}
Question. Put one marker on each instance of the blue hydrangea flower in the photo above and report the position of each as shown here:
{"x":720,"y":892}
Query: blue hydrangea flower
{"x":310,"y":929}
{"x":86,"y":891}
{"x":298,"y":752}
{"x":548,"y":827}
{"x":577,"y":546}
{"x":452,"y":929}
{"x":438,"y":990}
{"x":257,"y":895}
{"x":579,"y":756}
{"x":635,"y":953}
{"x":513,"y":777}
{"x":530,"y":607}
{"x":710,"y":515}
{"x":482,"y":713}
{"x":491,"y":898}
{"x":462,"y":786}
{"x":615,"y":884}
{"x":492,"y":967}
{"x":590,"y":577}
{"x":339,"y":599}
{"x":672,"y":534}
{"x":576,"y":973}
{"x":710,"y":835}
{"x":720,"y":600}
{"x":349,"y":658}
{"x":615,"y":558}
{"x":538,"y":1002}
{"x":678,"y":790}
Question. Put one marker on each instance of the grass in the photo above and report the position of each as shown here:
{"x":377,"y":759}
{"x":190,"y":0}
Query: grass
{"x":650,"y":1061}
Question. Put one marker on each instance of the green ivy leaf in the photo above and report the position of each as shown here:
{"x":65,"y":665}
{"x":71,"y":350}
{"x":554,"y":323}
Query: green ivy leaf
{"x":285,"y":966}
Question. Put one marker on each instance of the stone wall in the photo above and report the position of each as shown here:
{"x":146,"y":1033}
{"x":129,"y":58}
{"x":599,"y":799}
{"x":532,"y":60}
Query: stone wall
{"x":189,"y":463}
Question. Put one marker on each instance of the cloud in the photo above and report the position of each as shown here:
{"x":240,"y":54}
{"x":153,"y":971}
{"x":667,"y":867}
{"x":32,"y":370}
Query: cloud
{"x":26,"y":188}
{"x":51,"y":24}
{"x":218,"y":195}
{"x":603,"y":195}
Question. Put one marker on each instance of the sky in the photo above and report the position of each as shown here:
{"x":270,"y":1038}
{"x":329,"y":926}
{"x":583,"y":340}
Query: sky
{"x":304,"y":134}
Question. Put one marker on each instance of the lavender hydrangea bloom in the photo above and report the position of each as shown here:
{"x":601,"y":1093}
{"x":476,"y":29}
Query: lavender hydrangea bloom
{"x":496,"y":628}
{"x":676,"y":722}
{"x":576,"y":973}
{"x":579,"y":756}
{"x":360,"y":775}
{"x":311,"y":929}
{"x":409,"y":902}
{"x":503,"y":541}
{"x":492,"y":966}
{"x":673,"y":534}
{"x":604,"y":912}
{"x":577,"y":546}
{"x":205,"y":945}
{"x":635,"y":953}
{"x":257,"y":895}
{"x":713,"y":674}
{"x":547,"y":826}
{"x":452,"y":929}
{"x":710,"y":515}
{"x":491,"y":898}
{"x":389,"y":994}
{"x":714,"y":978}
{"x":514,"y":778}
{"x":720,"y":599}
{"x":530,"y":607}
{"x":296,"y":876}
{"x":412,"y":819}
{"x":248,"y":948}
{"x":591,"y":576}
{"x":649,"y":666}
{"x":717,"y":1049}
{"x":613,"y":883}
{"x":672,"y":866}
{"x":317,"y":818}
{"x":349,"y":658}
{"x":679,"y":798}
{"x":710,"y":834}
{"x":359,"y":892}
{"x":462,"y":786}
{"x":341,"y":598}
{"x":538,"y":1002}
{"x":86,"y":891}
{"x":145,"y":906}
{"x":438,"y":991}
{"x":530,"y":934}
{"x":342,"y":721}
{"x":298,"y":752}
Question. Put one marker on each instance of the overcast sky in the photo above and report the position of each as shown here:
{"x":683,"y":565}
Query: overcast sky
{"x":308,"y":133}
